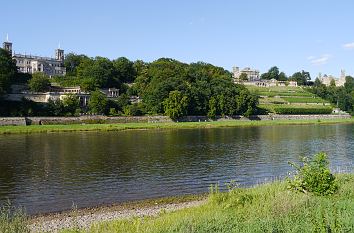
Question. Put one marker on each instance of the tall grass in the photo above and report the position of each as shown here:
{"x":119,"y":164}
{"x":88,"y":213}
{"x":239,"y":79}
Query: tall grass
{"x":13,"y":220}
{"x":265,"y":208}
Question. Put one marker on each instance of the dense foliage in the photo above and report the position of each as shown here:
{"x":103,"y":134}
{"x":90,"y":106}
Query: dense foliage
{"x":299,"y":110}
{"x":314,"y":176}
{"x":8,"y":70}
{"x":302,"y":78}
{"x":39,"y":82}
{"x":342,"y":97}
{"x":178,"y":89}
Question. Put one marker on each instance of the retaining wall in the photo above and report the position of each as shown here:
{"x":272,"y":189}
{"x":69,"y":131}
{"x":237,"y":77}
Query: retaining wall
{"x":152,"y":119}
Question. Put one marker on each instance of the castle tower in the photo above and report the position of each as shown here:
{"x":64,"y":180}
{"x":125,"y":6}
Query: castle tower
{"x":59,"y":54}
{"x":7,"y":45}
{"x":342,"y":74}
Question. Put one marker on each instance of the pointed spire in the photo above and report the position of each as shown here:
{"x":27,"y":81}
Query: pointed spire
{"x":59,"y":45}
{"x":7,"y":37}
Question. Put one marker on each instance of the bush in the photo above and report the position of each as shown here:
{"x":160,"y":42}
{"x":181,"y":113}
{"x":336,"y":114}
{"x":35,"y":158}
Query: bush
{"x":297,"y":111}
{"x":313,"y":176}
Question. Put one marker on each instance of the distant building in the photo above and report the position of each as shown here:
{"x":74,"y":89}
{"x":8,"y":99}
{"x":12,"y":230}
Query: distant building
{"x":31,"y":64}
{"x":327,"y":79}
{"x":19,"y":92}
{"x":252,"y":75}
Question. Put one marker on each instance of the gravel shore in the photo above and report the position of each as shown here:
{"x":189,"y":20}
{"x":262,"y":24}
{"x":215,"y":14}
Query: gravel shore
{"x":84,"y":218}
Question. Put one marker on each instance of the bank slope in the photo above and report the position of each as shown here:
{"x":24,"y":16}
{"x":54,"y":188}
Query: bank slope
{"x":266,"y":208}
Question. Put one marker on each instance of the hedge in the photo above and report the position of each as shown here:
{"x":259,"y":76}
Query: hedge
{"x":298,"y":111}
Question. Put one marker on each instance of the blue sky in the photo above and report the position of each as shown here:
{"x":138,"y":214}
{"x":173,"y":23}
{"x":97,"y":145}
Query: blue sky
{"x":317,"y":36}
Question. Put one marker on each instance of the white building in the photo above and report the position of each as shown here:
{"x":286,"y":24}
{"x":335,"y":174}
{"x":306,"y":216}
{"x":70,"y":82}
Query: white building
{"x":252,"y":74}
{"x":327,"y":79}
{"x":31,"y":64}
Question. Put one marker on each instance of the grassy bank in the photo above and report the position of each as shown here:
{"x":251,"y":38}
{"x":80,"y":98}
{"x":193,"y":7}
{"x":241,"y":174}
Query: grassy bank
{"x":180,"y":125}
{"x":266,"y":208}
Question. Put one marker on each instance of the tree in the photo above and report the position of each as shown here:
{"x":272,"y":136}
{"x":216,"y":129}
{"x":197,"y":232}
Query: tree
{"x":72,"y":61}
{"x":125,"y":71}
{"x":282,"y":77}
{"x":273,"y":73}
{"x":8,"y":70}
{"x":71,"y":104}
{"x":176,"y":105}
{"x":212,"y":108}
{"x":243,"y":77}
{"x":317,"y":82}
{"x":301,"y":77}
{"x":39,"y":82}
{"x":98,"y":102}
{"x":96,"y":73}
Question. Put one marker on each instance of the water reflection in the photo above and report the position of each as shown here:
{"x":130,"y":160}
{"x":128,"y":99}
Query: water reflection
{"x":48,"y":172}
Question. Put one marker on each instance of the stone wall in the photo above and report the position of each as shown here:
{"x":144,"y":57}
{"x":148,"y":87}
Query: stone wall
{"x":94,"y":120}
{"x":4,"y":121}
{"x":152,"y":119}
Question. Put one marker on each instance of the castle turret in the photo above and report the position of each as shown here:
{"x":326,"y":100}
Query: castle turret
{"x":59,"y":54}
{"x":7,"y":45}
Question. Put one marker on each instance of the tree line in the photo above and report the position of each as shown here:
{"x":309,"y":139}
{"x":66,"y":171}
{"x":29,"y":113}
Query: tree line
{"x":342,"y":97}
{"x":166,"y":86}
{"x":301,"y":77}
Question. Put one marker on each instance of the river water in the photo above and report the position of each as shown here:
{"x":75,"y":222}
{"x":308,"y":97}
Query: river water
{"x":51,"y":172}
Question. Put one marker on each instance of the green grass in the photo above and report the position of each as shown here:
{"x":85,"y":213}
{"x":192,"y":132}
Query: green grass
{"x":304,"y":100}
{"x":295,"y":97}
{"x":265,"y":208}
{"x":270,"y":107}
{"x":146,"y":126}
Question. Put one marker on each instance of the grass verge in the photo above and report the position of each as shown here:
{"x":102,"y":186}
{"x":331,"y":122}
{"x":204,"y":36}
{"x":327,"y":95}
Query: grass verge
{"x":265,"y":208}
{"x":174,"y":125}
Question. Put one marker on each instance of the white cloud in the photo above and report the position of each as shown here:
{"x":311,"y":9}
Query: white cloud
{"x":321,"y":60}
{"x":310,"y":57}
{"x":349,"y":45}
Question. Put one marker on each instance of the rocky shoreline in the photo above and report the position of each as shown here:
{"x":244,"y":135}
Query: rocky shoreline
{"x":84,"y":218}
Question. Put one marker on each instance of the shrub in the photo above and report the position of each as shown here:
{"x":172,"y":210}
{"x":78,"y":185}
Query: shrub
{"x":295,"y":111}
{"x":313,"y":176}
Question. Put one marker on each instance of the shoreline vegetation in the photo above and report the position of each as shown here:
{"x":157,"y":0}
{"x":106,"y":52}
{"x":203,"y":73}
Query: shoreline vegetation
{"x":261,"y":208}
{"x":169,"y":125}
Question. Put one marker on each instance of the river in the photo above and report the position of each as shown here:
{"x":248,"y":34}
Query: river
{"x":52,"y":172}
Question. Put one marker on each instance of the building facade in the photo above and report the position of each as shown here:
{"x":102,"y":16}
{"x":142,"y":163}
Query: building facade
{"x":252,"y":74}
{"x":31,"y":64}
{"x":327,"y":79}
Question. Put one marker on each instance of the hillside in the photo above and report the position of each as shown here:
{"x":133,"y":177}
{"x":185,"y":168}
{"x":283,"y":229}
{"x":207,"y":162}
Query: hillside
{"x":289,"y":100}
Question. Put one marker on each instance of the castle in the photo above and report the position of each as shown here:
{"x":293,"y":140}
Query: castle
{"x":328,"y":79}
{"x":31,"y":64}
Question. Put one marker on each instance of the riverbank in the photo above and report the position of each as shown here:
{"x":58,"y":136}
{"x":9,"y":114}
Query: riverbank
{"x":84,"y":218}
{"x":162,"y":125}
{"x":264,"y":208}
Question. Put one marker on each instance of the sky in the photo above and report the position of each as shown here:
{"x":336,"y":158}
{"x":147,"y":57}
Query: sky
{"x":315,"y":36}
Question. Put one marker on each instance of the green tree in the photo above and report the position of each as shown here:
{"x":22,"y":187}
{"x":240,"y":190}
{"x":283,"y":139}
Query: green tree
{"x":8,"y":70}
{"x":317,"y":82}
{"x":39,"y":82}
{"x":301,"y":77}
{"x":96,"y":73}
{"x":176,"y":105}
{"x":71,"y":104}
{"x":98,"y":102}
{"x":273,"y":73}
{"x":243,"y":77}
{"x":125,"y":70}
{"x":282,"y":77}
{"x":213,"y":104}
{"x":72,"y":61}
